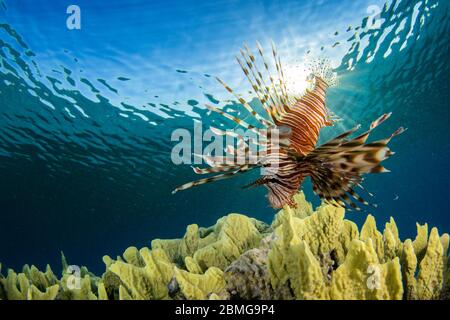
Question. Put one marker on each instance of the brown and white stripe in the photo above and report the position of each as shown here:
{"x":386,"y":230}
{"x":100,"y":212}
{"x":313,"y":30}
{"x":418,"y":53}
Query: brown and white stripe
{"x":335,"y":168}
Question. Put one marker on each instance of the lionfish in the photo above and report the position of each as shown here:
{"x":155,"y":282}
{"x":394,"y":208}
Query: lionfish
{"x":336,"y":168}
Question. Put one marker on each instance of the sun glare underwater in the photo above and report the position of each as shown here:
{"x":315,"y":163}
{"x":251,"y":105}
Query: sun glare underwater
{"x":87,"y":113}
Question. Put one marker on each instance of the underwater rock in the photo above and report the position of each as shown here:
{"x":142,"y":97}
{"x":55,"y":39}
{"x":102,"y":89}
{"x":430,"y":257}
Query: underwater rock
{"x":247,"y":278}
{"x":303,"y":254}
{"x":174,"y":290}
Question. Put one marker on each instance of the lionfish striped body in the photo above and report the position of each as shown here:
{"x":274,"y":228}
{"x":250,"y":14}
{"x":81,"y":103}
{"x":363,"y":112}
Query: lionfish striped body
{"x":306,"y":117}
{"x":335,"y":168}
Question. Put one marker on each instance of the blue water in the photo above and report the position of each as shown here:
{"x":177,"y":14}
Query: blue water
{"x":86,"y":115}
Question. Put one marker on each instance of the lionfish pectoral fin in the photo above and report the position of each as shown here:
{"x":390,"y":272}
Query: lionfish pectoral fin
{"x":338,"y":166}
{"x":255,"y":183}
{"x":224,"y":175}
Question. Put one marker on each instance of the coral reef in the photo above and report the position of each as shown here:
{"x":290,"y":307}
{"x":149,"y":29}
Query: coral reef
{"x":303,"y":254}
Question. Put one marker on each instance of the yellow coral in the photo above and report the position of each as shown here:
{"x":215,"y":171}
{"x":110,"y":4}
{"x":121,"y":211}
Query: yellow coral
{"x":148,"y":281}
{"x":431,"y":269}
{"x":304,"y":255}
{"x":420,"y":243}
{"x":216,"y":246}
{"x":310,"y":283}
{"x":200,"y":286}
{"x":430,"y":256}
{"x":349,"y":232}
{"x":362,"y":266}
{"x":302,"y":210}
{"x":123,"y":294}
{"x":28,"y":284}
{"x":77,"y":289}
{"x":192,"y":266}
{"x":319,"y":231}
{"x":235,"y":234}
{"x":102,"y":294}
{"x":362,"y":276}
{"x":49,"y":294}
{"x":409,"y":265}
{"x":369,"y":231}
{"x":16,"y":286}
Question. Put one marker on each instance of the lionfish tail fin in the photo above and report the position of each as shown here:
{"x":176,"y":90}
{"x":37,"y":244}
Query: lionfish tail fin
{"x":321,"y":68}
{"x":337,"y":167}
